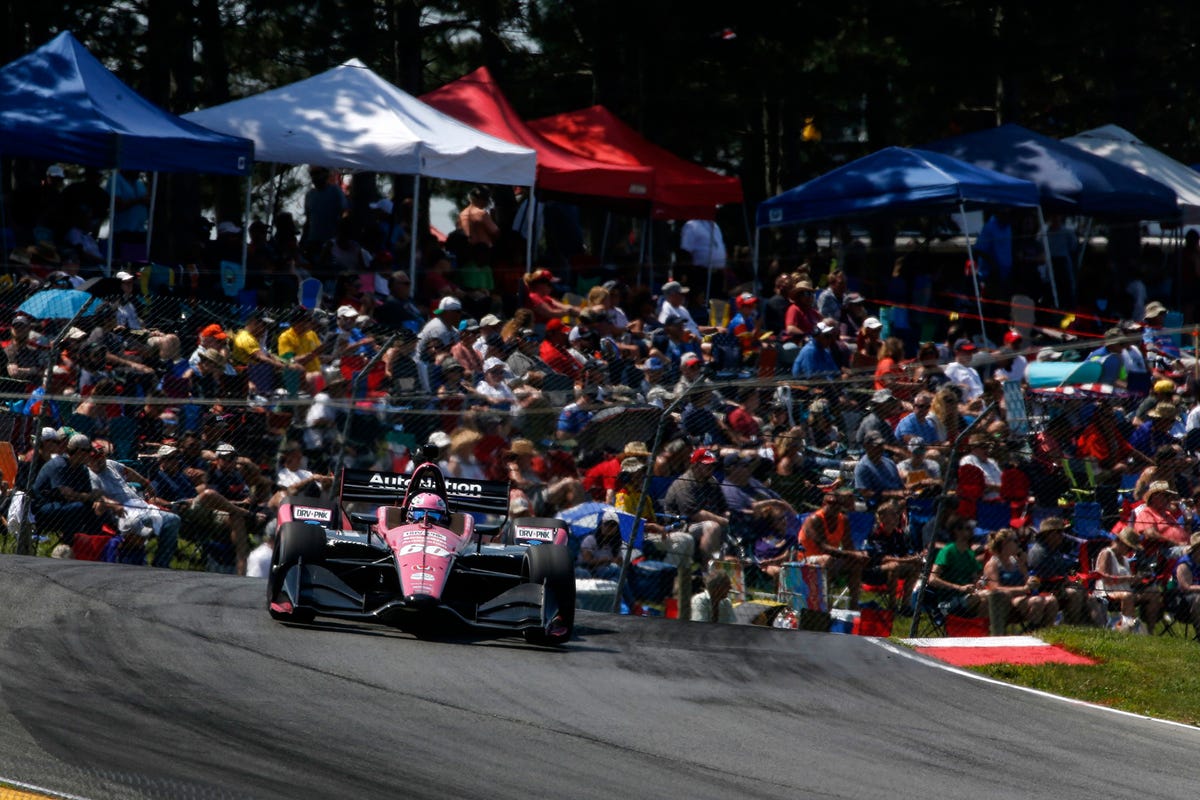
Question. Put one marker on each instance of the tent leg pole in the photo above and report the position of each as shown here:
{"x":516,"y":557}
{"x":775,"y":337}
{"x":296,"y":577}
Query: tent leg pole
{"x":604,"y":238}
{"x":274,"y":195}
{"x":112,"y":221}
{"x":246,"y":222}
{"x":754,"y":262}
{"x":962,"y":209}
{"x":150,"y":219}
{"x":530,"y":213}
{"x":1046,"y":251}
{"x":412,"y":245}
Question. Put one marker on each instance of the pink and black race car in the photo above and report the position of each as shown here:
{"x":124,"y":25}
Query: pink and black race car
{"x":405,"y":550}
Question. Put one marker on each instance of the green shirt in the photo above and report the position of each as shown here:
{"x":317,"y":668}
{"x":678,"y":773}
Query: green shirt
{"x":958,"y":566}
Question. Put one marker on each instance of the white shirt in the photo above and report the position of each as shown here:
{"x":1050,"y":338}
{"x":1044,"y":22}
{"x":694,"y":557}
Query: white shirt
{"x":679,"y":311}
{"x":966,"y":377}
{"x":287,"y":478}
{"x":1015,"y":372}
{"x":702,"y":238}
{"x":258,"y":563}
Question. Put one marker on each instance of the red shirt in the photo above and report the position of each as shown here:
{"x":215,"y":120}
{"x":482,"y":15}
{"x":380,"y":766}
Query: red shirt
{"x":602,"y":478}
{"x":1094,"y":444}
{"x":558,"y":360}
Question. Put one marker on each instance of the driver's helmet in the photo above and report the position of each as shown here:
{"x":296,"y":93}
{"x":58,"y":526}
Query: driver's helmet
{"x":428,"y":508}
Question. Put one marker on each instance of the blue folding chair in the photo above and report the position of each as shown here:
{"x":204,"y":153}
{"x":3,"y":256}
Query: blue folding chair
{"x":992,"y":516}
{"x":1087,"y":520}
{"x":861,"y":525}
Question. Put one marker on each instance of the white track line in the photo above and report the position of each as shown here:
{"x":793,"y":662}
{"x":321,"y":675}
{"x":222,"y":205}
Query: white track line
{"x":906,"y":653}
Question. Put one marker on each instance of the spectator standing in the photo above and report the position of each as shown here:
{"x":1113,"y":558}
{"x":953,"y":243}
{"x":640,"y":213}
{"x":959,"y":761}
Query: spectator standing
{"x":324,"y":205}
{"x":829,"y":301}
{"x":475,"y":220}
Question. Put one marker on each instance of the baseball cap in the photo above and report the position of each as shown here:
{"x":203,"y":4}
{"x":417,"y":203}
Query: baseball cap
{"x":652,"y":363}
{"x":673,"y":319}
{"x":1165,"y":385}
{"x":125,"y":276}
{"x":450,"y":363}
{"x":689,"y":358}
{"x":1049,"y":354}
{"x":965,"y":346}
{"x":852,"y":299}
{"x":79,"y":442}
{"x":439,"y":439}
{"x":166,"y":451}
{"x":825,"y":327}
{"x":882,"y":396}
{"x":489,"y":320}
{"x":493,"y":363}
{"x":673,"y":286}
{"x":226,"y":449}
{"x":51,"y":435}
{"x":446,"y":304}
{"x":746,"y":299}
{"x":347,"y":312}
{"x":702,"y":455}
{"x":872,"y":323}
{"x":55,"y":171}
{"x":632,"y":464}
{"x":214,"y":331}
{"x":873,"y":437}
{"x":470,"y":325}
{"x":554,"y":324}
{"x":228,"y":227}
{"x":1012,"y":337}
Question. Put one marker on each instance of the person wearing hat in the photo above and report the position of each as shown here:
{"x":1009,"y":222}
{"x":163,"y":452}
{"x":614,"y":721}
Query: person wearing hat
{"x":601,"y":552}
{"x":745,"y":494}
{"x":1157,"y":343}
{"x":25,"y":351}
{"x":134,"y":514}
{"x":52,"y":442}
{"x":443,"y":325}
{"x":1184,"y":600}
{"x":554,"y":350}
{"x":802,"y":317}
{"x":204,"y":381}
{"x":62,"y":495}
{"x":921,"y":474}
{"x":1156,"y":521}
{"x":348,"y":338}
{"x":464,"y":349}
{"x":576,"y":415}
{"x":867,"y":344}
{"x":674,"y":305}
{"x":250,"y":347}
{"x":128,"y":301}
{"x":746,"y":323}
{"x":979,"y":473}
{"x":816,"y":358}
{"x":132,"y":206}
{"x":830,"y":300}
{"x":883,"y":411}
{"x":691,"y":368}
{"x":493,"y":388}
{"x":212,"y":337}
{"x":294,"y":478}
{"x":962,"y":374}
{"x":1163,"y":390}
{"x":696,"y":496}
{"x":1054,"y":560}
{"x":1162,"y":428}
{"x":876,"y":477}
{"x":541,"y":301}
{"x":1114,"y":584}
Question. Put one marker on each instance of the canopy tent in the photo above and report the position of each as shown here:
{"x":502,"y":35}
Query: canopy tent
{"x":1122,"y":147}
{"x":892,"y":180}
{"x":895,"y":180}
{"x":1070,"y":180}
{"x":59,"y":103}
{"x":350,"y":118}
{"x":682,"y":190}
{"x":476,"y":100}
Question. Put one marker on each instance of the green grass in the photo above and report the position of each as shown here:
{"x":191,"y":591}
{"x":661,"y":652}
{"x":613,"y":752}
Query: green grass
{"x":1151,"y":675}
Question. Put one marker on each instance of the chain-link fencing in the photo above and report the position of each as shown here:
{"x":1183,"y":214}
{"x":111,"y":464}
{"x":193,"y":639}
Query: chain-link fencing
{"x":154,"y":430}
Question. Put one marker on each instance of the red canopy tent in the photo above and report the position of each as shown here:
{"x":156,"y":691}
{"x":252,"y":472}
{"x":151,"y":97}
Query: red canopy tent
{"x":682,"y":190}
{"x":476,"y":100}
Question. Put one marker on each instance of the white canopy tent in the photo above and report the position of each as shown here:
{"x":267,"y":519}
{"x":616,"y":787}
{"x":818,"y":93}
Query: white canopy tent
{"x":350,"y":118}
{"x":1119,"y":145}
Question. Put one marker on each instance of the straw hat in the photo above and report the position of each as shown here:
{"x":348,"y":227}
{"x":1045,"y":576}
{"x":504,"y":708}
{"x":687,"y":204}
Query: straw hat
{"x":1130,"y":538}
{"x":635,"y":450}
{"x":1157,"y":487}
{"x":522,"y":447}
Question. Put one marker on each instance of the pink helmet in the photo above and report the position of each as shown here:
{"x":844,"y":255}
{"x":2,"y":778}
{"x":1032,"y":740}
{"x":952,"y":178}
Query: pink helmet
{"x":429,"y":509}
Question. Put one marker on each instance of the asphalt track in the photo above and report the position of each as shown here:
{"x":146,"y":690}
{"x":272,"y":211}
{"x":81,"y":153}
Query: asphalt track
{"x":126,"y":682}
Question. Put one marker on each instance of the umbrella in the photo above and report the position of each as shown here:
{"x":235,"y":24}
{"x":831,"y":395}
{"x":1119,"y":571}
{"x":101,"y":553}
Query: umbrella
{"x":616,"y":426}
{"x":55,"y":304}
{"x":1084,"y":391}
{"x":585,"y":518}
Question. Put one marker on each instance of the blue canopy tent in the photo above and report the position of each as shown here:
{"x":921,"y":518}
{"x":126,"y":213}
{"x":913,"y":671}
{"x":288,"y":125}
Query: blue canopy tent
{"x":1069,"y":179}
{"x":59,"y":103}
{"x":895,"y":180}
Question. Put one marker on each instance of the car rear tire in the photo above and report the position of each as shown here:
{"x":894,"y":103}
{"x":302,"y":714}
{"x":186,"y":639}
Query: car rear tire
{"x":293,"y":542}
{"x":551,"y":564}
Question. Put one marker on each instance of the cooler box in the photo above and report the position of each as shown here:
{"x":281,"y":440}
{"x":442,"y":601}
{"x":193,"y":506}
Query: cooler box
{"x":843,"y":620}
{"x":594,"y":594}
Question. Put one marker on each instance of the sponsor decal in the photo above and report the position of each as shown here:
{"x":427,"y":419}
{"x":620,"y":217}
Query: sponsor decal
{"x":538,"y":534}
{"x":306,"y":513}
{"x":427,"y":483}
{"x":420,"y":547}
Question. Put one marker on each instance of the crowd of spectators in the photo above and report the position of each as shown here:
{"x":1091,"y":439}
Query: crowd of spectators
{"x":180,"y":420}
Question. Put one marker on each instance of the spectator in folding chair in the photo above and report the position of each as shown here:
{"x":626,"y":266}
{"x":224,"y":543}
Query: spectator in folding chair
{"x":1114,"y":583}
{"x":1054,"y":560}
{"x":1186,"y":594}
{"x":1011,"y":588}
{"x":63,"y":495}
{"x":875,"y":476}
{"x":955,"y":578}
{"x":601,"y":552}
{"x":1158,"y":429}
{"x":825,"y":541}
{"x":697,"y":497}
{"x":135,"y":514}
{"x":893,"y":561}
{"x":202,"y":507}
{"x":922,"y":475}
{"x":1157,"y":521}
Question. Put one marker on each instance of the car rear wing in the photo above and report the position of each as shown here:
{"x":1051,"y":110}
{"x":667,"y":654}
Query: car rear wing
{"x":462,"y":494}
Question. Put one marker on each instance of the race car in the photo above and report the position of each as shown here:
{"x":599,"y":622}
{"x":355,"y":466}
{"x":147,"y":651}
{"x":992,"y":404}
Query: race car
{"x":416,"y":560}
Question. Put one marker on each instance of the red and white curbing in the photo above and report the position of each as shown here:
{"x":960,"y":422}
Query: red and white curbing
{"x":972,"y":651}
